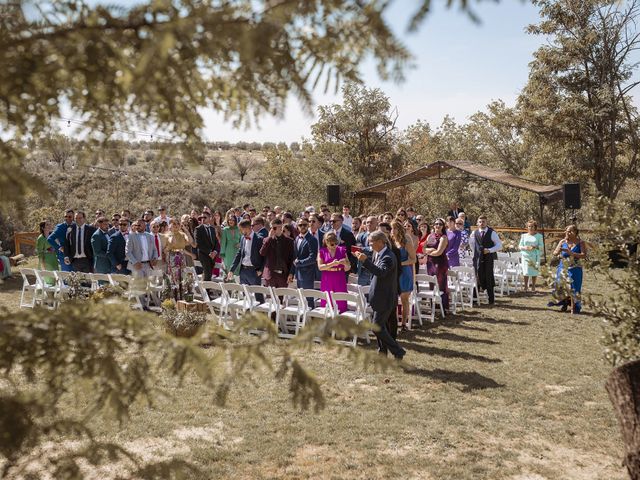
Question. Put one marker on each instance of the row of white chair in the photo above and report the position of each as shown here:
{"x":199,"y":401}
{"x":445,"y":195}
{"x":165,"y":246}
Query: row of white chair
{"x":288,"y":306}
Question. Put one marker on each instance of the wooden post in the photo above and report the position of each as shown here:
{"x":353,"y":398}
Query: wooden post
{"x":623,"y":387}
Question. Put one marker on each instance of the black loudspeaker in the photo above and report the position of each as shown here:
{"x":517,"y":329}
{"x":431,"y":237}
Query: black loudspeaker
{"x":333,"y":195}
{"x":571,"y":195}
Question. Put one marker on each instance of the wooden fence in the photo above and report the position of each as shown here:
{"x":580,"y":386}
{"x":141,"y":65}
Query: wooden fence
{"x":24,"y":238}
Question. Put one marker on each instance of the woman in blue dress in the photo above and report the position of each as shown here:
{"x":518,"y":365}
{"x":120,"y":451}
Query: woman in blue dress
{"x":570,"y":250}
{"x":407,"y":261}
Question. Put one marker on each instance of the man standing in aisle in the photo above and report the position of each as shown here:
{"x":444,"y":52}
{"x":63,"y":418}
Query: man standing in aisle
{"x":58,"y":236}
{"x":100,"y":245}
{"x":383,"y":293}
{"x":485,"y":244}
{"x":77,"y":245}
{"x":208,"y":246}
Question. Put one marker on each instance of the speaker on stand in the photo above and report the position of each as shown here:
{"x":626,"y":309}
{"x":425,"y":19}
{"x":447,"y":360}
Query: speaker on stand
{"x":572,"y":200}
{"x":333,"y":195}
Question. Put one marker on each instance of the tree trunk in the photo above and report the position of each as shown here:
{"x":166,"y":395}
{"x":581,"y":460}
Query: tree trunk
{"x":623,"y":386}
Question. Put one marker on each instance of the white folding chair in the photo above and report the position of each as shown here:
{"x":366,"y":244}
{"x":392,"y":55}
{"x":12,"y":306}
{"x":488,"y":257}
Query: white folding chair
{"x":267,"y":307}
{"x":29,"y":288}
{"x":318,"y":311}
{"x":98,"y":279}
{"x":501,"y":278}
{"x":429,"y":294}
{"x":47,"y":288}
{"x":216,"y":299}
{"x":353,"y":312}
{"x":469,"y":286}
{"x":290,"y":308}
{"x":236,"y":299}
{"x":456,"y":297}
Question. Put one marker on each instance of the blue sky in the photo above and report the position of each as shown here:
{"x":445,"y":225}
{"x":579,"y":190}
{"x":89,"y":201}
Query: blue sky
{"x":461,"y":66}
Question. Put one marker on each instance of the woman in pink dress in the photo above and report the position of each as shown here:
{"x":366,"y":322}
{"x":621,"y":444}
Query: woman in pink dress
{"x":333,"y":263}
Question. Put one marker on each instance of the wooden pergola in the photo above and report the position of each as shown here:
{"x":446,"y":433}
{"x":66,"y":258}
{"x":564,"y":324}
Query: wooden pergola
{"x":472,"y":172}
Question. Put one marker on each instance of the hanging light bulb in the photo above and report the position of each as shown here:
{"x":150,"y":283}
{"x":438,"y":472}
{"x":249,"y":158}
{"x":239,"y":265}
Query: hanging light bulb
{"x":68,"y":123}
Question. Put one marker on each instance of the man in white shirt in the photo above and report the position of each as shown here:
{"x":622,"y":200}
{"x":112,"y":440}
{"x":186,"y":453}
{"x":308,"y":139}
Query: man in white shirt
{"x":485,"y":243}
{"x":347,"y":219}
{"x":162,"y":217}
{"x":77,"y":246}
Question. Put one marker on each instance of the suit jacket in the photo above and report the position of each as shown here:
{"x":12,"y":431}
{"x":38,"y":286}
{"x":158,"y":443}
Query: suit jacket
{"x":70,"y":247}
{"x":116,"y":251}
{"x":205,"y":243}
{"x":257,"y":260}
{"x":263,"y":232}
{"x":348,"y":240}
{"x":450,"y":213}
{"x":268,"y":251}
{"x":320,"y":237}
{"x":305,"y":254}
{"x":99,"y":245}
{"x":383,"y":293}
{"x":58,"y":236}
{"x":133,"y":247}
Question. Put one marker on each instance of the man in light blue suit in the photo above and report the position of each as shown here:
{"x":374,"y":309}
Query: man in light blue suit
{"x":57,"y":238}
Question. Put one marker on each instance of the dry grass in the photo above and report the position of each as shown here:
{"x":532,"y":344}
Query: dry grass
{"x":512,"y":392}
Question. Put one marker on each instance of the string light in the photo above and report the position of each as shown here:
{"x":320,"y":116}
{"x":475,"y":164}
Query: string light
{"x":119,"y":130}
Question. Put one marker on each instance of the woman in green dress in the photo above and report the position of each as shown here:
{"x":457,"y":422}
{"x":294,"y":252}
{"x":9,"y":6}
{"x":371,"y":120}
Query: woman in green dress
{"x":531,"y":245}
{"x":230,"y":241}
{"x":47,"y":258}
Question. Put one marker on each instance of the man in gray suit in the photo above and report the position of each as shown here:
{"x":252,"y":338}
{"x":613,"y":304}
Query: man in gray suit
{"x":383,"y":293}
{"x":140,"y":250}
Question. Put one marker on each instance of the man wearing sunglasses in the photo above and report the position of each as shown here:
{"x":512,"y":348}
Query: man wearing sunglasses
{"x":57,"y":237}
{"x":100,"y":245}
{"x":116,"y":248}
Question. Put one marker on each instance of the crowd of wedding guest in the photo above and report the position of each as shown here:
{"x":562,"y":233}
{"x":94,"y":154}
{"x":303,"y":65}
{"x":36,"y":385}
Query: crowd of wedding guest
{"x":273,"y":247}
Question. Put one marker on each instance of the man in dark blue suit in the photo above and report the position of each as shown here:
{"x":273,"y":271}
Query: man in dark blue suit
{"x":248,"y":257}
{"x":116,"y":249}
{"x":57,"y":237}
{"x":258,"y":226}
{"x":316,"y":231}
{"x":383,"y":293}
{"x":305,"y":250}
{"x":77,"y":245}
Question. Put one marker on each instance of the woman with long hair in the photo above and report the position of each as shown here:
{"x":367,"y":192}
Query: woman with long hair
{"x":47,"y":258}
{"x":437,"y":263}
{"x":571,"y":249}
{"x":407,"y":263}
{"x":176,"y":242}
{"x":230,"y":241}
{"x":454,"y":238}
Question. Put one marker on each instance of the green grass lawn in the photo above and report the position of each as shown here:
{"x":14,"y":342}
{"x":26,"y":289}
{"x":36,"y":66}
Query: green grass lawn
{"x":510,"y":392}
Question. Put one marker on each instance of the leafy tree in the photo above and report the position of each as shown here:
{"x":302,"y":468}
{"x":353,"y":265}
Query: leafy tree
{"x":364,"y":128}
{"x":579,"y":92}
{"x":59,"y":149}
{"x":212,"y":163}
{"x":241,"y":165}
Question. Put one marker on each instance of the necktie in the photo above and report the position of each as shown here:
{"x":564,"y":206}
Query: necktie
{"x":157,"y":244}
{"x":247,"y":237}
{"x":81,"y":240}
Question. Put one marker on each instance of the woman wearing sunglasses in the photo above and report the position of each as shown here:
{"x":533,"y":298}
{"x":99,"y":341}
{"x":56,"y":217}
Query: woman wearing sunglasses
{"x":437,"y":263}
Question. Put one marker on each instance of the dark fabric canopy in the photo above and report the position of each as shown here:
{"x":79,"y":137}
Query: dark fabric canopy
{"x":547,"y":193}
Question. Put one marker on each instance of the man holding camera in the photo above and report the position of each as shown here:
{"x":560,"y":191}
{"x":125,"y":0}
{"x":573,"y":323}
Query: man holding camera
{"x":278,"y":254}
